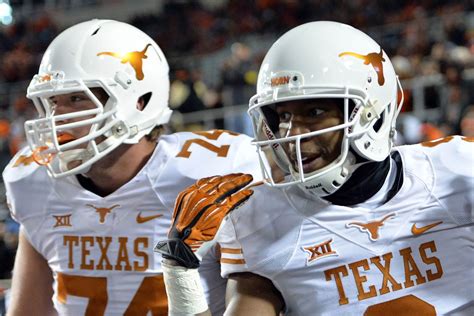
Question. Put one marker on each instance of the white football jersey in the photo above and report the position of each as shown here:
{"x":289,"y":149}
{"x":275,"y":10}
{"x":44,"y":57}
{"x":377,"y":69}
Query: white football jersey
{"x":100,"y":249}
{"x":412,"y":255}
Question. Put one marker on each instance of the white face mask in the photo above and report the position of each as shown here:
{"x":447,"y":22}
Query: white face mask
{"x":306,"y":63}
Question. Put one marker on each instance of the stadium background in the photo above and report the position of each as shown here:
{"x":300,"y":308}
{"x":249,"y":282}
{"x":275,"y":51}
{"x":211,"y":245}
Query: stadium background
{"x":214,"y":48}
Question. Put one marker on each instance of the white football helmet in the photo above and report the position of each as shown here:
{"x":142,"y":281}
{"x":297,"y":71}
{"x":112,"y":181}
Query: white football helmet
{"x":327,"y":60}
{"x":117,"y":57}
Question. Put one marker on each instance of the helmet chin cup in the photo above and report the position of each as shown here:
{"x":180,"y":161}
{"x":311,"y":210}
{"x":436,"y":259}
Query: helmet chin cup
{"x":328,"y":183}
{"x":84,"y":158}
{"x":74,"y":155}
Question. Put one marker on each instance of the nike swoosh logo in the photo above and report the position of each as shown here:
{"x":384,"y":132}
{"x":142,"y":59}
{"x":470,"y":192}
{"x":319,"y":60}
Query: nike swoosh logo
{"x":143,"y":219}
{"x":420,"y":230}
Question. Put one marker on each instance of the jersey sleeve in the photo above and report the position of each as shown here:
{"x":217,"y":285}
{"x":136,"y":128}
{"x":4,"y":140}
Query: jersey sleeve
{"x":452,"y":160}
{"x":217,"y":152}
{"x":213,"y":284}
{"x":27,"y":188}
{"x":231,"y":251}
{"x":259,"y":237}
{"x":245,"y":158}
{"x":20,"y":177}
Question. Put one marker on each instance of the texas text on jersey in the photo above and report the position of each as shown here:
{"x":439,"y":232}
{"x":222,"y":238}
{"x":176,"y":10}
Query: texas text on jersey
{"x":101,"y":249}
{"x":402,"y":256}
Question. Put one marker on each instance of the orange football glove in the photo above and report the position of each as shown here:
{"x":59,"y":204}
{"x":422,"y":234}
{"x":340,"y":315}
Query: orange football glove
{"x":198,"y":213}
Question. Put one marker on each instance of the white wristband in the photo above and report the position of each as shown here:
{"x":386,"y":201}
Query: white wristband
{"x":184,"y":290}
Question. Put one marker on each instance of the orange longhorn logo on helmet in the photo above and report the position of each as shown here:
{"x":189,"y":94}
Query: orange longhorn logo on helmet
{"x":134,"y":58}
{"x":374,"y":59}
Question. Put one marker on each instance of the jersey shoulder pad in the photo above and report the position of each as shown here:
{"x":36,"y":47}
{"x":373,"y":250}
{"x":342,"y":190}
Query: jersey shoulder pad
{"x":452,"y":156}
{"x":20,"y":166}
{"x":215,"y":152}
{"x":206,"y":141}
{"x":451,"y":172}
{"x":27,"y":185}
{"x":189,"y":156}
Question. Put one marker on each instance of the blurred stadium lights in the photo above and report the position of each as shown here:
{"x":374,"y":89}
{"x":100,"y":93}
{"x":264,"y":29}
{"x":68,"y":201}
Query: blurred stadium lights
{"x":5,"y":12}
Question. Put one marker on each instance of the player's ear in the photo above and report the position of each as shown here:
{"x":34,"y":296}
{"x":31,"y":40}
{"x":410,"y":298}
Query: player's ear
{"x":140,"y":104}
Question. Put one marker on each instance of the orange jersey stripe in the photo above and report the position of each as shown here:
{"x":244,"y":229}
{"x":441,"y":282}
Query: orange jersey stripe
{"x":232,"y":261}
{"x":231,"y":250}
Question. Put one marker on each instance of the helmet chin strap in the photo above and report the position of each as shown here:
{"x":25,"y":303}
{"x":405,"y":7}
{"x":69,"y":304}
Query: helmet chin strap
{"x":73,"y":155}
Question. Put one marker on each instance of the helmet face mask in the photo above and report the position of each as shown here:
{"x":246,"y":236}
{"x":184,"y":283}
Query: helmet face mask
{"x":122,"y":61}
{"x":306,"y":63}
{"x":292,"y":161}
{"x":71,"y":127}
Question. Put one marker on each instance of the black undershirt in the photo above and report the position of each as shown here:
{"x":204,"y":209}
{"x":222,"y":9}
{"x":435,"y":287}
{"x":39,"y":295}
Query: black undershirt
{"x":366,"y":181}
{"x":87,"y":184}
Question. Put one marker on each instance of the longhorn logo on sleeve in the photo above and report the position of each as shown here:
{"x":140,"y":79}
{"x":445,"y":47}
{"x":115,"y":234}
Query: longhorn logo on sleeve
{"x":374,"y":59}
{"x":23,"y":160}
{"x":134,"y":58}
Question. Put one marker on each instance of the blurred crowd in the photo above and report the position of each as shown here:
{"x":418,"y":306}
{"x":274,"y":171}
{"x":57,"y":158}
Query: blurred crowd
{"x":429,"y":42}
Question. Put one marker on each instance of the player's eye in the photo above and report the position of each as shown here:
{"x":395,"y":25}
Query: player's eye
{"x":315,"y":112}
{"x":285,"y":117}
{"x":78,"y":98}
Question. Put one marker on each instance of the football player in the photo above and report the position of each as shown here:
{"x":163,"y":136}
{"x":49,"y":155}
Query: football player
{"x":356,"y":227}
{"x":95,"y":190}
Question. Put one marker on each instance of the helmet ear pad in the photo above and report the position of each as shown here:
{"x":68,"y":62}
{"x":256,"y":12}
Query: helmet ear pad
{"x":378,"y":136}
{"x":379,"y":122}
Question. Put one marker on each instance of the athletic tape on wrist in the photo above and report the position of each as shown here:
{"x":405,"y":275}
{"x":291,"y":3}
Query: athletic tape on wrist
{"x":184,"y":290}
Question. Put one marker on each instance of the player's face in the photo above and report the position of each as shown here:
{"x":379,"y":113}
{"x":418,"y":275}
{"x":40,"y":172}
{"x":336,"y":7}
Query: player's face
{"x":74,"y":102}
{"x":304,"y":116}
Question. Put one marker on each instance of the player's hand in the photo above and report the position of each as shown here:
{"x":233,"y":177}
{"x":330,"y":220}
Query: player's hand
{"x":198,"y":213}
